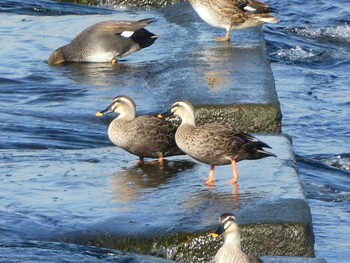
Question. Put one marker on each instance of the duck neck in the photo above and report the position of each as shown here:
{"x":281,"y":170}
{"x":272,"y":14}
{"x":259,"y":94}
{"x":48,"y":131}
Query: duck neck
{"x":127,"y":114}
{"x":233,"y":240}
{"x":189,"y":120}
{"x":126,"y":117}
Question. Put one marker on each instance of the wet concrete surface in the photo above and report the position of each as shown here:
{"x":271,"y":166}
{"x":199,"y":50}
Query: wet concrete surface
{"x":228,"y":82}
{"x":101,"y":197}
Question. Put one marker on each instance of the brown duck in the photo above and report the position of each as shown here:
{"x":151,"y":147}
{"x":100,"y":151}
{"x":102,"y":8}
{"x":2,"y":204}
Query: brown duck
{"x":144,"y":136}
{"x":233,"y":14}
{"x":215,"y":144}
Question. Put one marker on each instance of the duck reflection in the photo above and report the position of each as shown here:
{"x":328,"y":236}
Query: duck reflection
{"x":218,"y":60}
{"x":235,"y":195}
{"x":103,"y":74}
{"x":223,"y":197}
{"x":223,"y":64}
{"x":132,"y":182}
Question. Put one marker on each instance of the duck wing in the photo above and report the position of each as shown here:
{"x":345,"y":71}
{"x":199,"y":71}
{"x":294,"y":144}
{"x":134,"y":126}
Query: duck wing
{"x":118,"y":26}
{"x":254,"y":7}
{"x":157,"y":134}
{"x":225,"y":142}
{"x":214,"y":141}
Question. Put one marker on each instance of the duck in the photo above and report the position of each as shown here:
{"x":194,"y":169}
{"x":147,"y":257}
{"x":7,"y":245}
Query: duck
{"x":233,"y":14}
{"x":231,"y":252}
{"x":144,"y":136}
{"x":106,"y":41}
{"x":215,"y":144}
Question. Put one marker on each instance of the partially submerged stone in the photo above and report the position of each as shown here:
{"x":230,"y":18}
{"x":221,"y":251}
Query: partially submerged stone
{"x":173,"y":219}
{"x":228,"y":83}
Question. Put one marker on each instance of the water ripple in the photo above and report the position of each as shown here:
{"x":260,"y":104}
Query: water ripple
{"x":336,"y":34}
{"x":44,"y":8}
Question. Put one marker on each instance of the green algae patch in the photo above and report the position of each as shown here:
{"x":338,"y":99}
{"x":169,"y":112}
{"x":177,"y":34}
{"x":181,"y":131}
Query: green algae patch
{"x":256,"y":118}
{"x":129,"y":3}
{"x":295,"y":240}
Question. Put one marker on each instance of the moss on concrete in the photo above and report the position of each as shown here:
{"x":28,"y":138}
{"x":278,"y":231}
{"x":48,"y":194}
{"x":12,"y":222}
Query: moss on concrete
{"x":253,"y":118}
{"x":278,"y":239}
{"x":285,"y":239}
{"x":134,"y":3}
{"x":259,"y":118}
{"x":280,"y":228}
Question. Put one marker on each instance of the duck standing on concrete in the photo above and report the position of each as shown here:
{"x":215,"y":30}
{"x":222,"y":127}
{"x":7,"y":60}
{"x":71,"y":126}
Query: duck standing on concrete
{"x":231,"y":252}
{"x":144,"y":136}
{"x":105,"y":42}
{"x":233,"y":14}
{"x":215,"y":144}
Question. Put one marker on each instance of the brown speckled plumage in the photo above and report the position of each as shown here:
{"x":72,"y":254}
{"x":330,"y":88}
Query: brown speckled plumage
{"x":233,"y":14}
{"x":144,"y":136}
{"x":215,"y":144}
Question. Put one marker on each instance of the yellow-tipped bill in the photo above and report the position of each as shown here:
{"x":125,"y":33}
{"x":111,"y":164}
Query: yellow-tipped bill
{"x":214,"y":235}
{"x":99,"y":114}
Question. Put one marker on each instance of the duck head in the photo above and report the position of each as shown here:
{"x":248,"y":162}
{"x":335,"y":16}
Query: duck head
{"x":185,"y":111}
{"x":227,"y":225}
{"x":123,"y":105}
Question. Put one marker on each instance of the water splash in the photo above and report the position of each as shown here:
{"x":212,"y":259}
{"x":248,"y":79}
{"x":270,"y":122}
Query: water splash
{"x":339,"y":161}
{"x":337,"y":34}
{"x":296,"y":53}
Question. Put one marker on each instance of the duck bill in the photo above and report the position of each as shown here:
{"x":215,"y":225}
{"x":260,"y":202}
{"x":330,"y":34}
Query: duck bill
{"x":219,"y":231}
{"x":104,"y":112}
{"x":164,"y":114}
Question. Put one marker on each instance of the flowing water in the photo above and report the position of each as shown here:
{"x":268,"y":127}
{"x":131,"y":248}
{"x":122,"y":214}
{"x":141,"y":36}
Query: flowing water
{"x":310,"y":54}
{"x":52,"y":108}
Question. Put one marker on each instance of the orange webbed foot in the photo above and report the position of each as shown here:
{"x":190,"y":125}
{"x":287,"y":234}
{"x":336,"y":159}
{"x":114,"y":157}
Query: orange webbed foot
{"x":222,"y":39}
{"x":209,"y":183}
{"x":234,"y":181}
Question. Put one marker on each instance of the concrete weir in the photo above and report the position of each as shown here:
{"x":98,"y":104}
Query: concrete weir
{"x":173,"y":218}
{"x":229,"y":83}
{"x":102,"y":197}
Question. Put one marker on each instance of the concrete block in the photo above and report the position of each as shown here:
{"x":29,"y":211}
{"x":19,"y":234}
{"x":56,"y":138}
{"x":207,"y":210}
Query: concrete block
{"x":173,"y":216}
{"x":228,"y":83}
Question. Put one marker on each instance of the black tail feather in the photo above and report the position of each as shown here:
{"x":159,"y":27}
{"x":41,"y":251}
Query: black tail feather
{"x":254,"y":150}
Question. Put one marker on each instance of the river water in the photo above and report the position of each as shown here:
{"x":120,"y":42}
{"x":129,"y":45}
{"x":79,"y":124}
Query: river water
{"x":52,"y":108}
{"x":310,"y":54}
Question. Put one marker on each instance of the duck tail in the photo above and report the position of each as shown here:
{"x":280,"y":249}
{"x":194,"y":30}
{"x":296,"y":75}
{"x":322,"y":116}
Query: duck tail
{"x":147,"y":21}
{"x":271,"y":19}
{"x":254,"y":150}
{"x":259,"y":145}
{"x":264,"y":153}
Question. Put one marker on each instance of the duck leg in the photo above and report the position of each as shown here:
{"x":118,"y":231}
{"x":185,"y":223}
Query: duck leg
{"x":235,"y":172}
{"x":115,"y":59}
{"x":161,"y":160}
{"x":211,"y":179}
{"x":225,"y":38}
{"x":140,"y":160}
